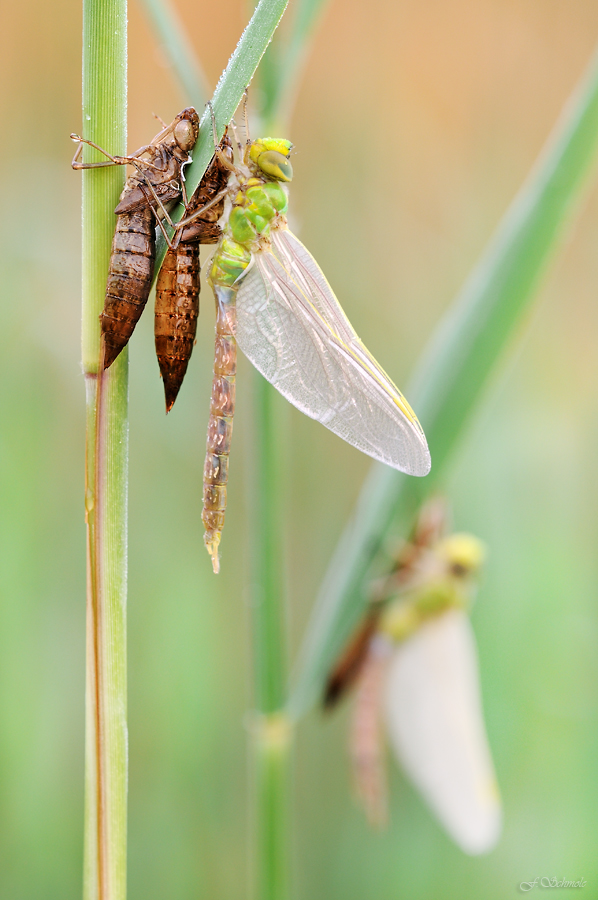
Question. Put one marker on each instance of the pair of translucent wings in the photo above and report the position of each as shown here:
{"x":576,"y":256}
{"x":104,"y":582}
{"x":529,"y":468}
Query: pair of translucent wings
{"x":294,"y":331}
{"x":434,"y":718}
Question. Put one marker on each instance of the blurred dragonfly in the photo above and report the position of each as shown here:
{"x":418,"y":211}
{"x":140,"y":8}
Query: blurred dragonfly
{"x":415,"y":664}
{"x":274,"y":301}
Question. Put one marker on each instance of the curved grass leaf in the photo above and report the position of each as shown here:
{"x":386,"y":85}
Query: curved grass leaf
{"x":454,"y":371}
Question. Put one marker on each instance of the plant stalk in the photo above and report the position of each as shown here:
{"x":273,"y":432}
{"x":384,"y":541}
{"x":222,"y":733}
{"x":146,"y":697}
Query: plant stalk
{"x":272,"y":751}
{"x":104,"y":122}
{"x":271,"y":734}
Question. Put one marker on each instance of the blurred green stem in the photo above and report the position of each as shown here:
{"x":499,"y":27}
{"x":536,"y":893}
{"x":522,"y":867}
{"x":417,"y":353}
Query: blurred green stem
{"x":104,"y":122}
{"x":454,"y":370}
{"x":272,"y":747}
{"x":269,"y":633}
{"x":178,"y":50}
{"x":280,"y":73}
{"x":272,"y":738}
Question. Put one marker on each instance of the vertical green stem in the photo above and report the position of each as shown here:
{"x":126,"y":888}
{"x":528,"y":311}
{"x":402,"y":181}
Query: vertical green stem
{"x":273,"y":827}
{"x":268,"y":621}
{"x":104,"y":122}
{"x":272,"y":738}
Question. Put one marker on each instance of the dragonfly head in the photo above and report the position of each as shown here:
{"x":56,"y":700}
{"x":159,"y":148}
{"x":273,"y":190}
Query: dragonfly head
{"x":185,"y":129}
{"x":463,"y":553}
{"x":271,"y":156}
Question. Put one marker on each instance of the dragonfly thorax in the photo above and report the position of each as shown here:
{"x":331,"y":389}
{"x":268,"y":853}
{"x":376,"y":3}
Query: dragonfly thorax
{"x":255,"y":208}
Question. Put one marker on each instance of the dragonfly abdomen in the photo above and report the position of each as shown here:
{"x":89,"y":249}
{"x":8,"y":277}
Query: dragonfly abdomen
{"x":176,"y":312}
{"x":129,"y":279}
{"x":222,"y":408}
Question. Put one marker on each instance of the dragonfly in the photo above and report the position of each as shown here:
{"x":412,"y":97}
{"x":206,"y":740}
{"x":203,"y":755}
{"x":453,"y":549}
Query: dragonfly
{"x":178,"y":283}
{"x":156,"y":184}
{"x":273,"y":300}
{"x":414,"y":663}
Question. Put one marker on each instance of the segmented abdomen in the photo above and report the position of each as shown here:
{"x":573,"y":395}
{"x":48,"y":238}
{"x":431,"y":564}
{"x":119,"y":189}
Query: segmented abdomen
{"x":220,"y":425}
{"x":177,"y":308}
{"x":366,"y":743}
{"x":178,"y":285}
{"x":129,"y":279}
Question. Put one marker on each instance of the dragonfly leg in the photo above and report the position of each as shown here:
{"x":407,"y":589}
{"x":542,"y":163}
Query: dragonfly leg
{"x":217,"y":148}
{"x":157,"y":207}
{"x":198,"y":212}
{"x":246,"y":121}
{"x":233,"y":126}
{"x":110,"y":161}
{"x":184,"y":197}
{"x":160,"y":120}
{"x":171,"y":246}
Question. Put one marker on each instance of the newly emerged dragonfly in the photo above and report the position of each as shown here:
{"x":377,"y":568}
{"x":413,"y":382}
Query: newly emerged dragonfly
{"x":274,"y":301}
{"x":149,"y":192}
{"x":415,"y":664}
{"x":178,"y":284}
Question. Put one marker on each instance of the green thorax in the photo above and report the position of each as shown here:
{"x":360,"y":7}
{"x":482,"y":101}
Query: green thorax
{"x":258,"y":200}
{"x":446,"y":582}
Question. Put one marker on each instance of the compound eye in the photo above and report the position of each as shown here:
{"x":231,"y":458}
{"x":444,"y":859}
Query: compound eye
{"x":276,"y":165}
{"x":184,"y":134}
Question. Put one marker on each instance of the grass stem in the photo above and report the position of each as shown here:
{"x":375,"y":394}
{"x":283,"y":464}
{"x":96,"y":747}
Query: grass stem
{"x":272,"y":736}
{"x":104,"y":122}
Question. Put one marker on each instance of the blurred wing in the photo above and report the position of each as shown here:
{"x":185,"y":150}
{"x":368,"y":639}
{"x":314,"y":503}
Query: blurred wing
{"x":292,"y":328}
{"x":436,"y":727}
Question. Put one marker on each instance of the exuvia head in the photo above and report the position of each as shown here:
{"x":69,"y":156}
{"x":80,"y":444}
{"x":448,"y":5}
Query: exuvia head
{"x":271,"y":156}
{"x":185,"y":128}
{"x":183,"y":131}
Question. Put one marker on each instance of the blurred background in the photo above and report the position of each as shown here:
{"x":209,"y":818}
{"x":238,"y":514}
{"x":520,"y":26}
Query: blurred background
{"x":415,"y":125}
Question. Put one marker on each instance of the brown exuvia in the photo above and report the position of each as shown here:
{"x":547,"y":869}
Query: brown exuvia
{"x":146,"y":197}
{"x":178,"y":285}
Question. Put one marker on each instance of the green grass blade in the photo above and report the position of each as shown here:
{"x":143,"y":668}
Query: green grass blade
{"x":229,"y":92}
{"x":271,"y":738}
{"x":271,"y":734}
{"x":455,"y":369}
{"x":268,"y":588}
{"x":104,"y":121}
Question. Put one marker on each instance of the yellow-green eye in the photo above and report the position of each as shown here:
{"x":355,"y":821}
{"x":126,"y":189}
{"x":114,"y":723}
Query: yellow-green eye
{"x":269,"y":143}
{"x":274,"y":164}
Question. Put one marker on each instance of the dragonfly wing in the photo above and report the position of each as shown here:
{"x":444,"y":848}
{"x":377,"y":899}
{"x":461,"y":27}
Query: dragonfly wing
{"x":292,"y":328}
{"x":436,"y":727}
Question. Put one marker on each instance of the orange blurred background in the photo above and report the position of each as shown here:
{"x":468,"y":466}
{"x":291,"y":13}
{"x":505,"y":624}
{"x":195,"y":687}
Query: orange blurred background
{"x":415,"y":124}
